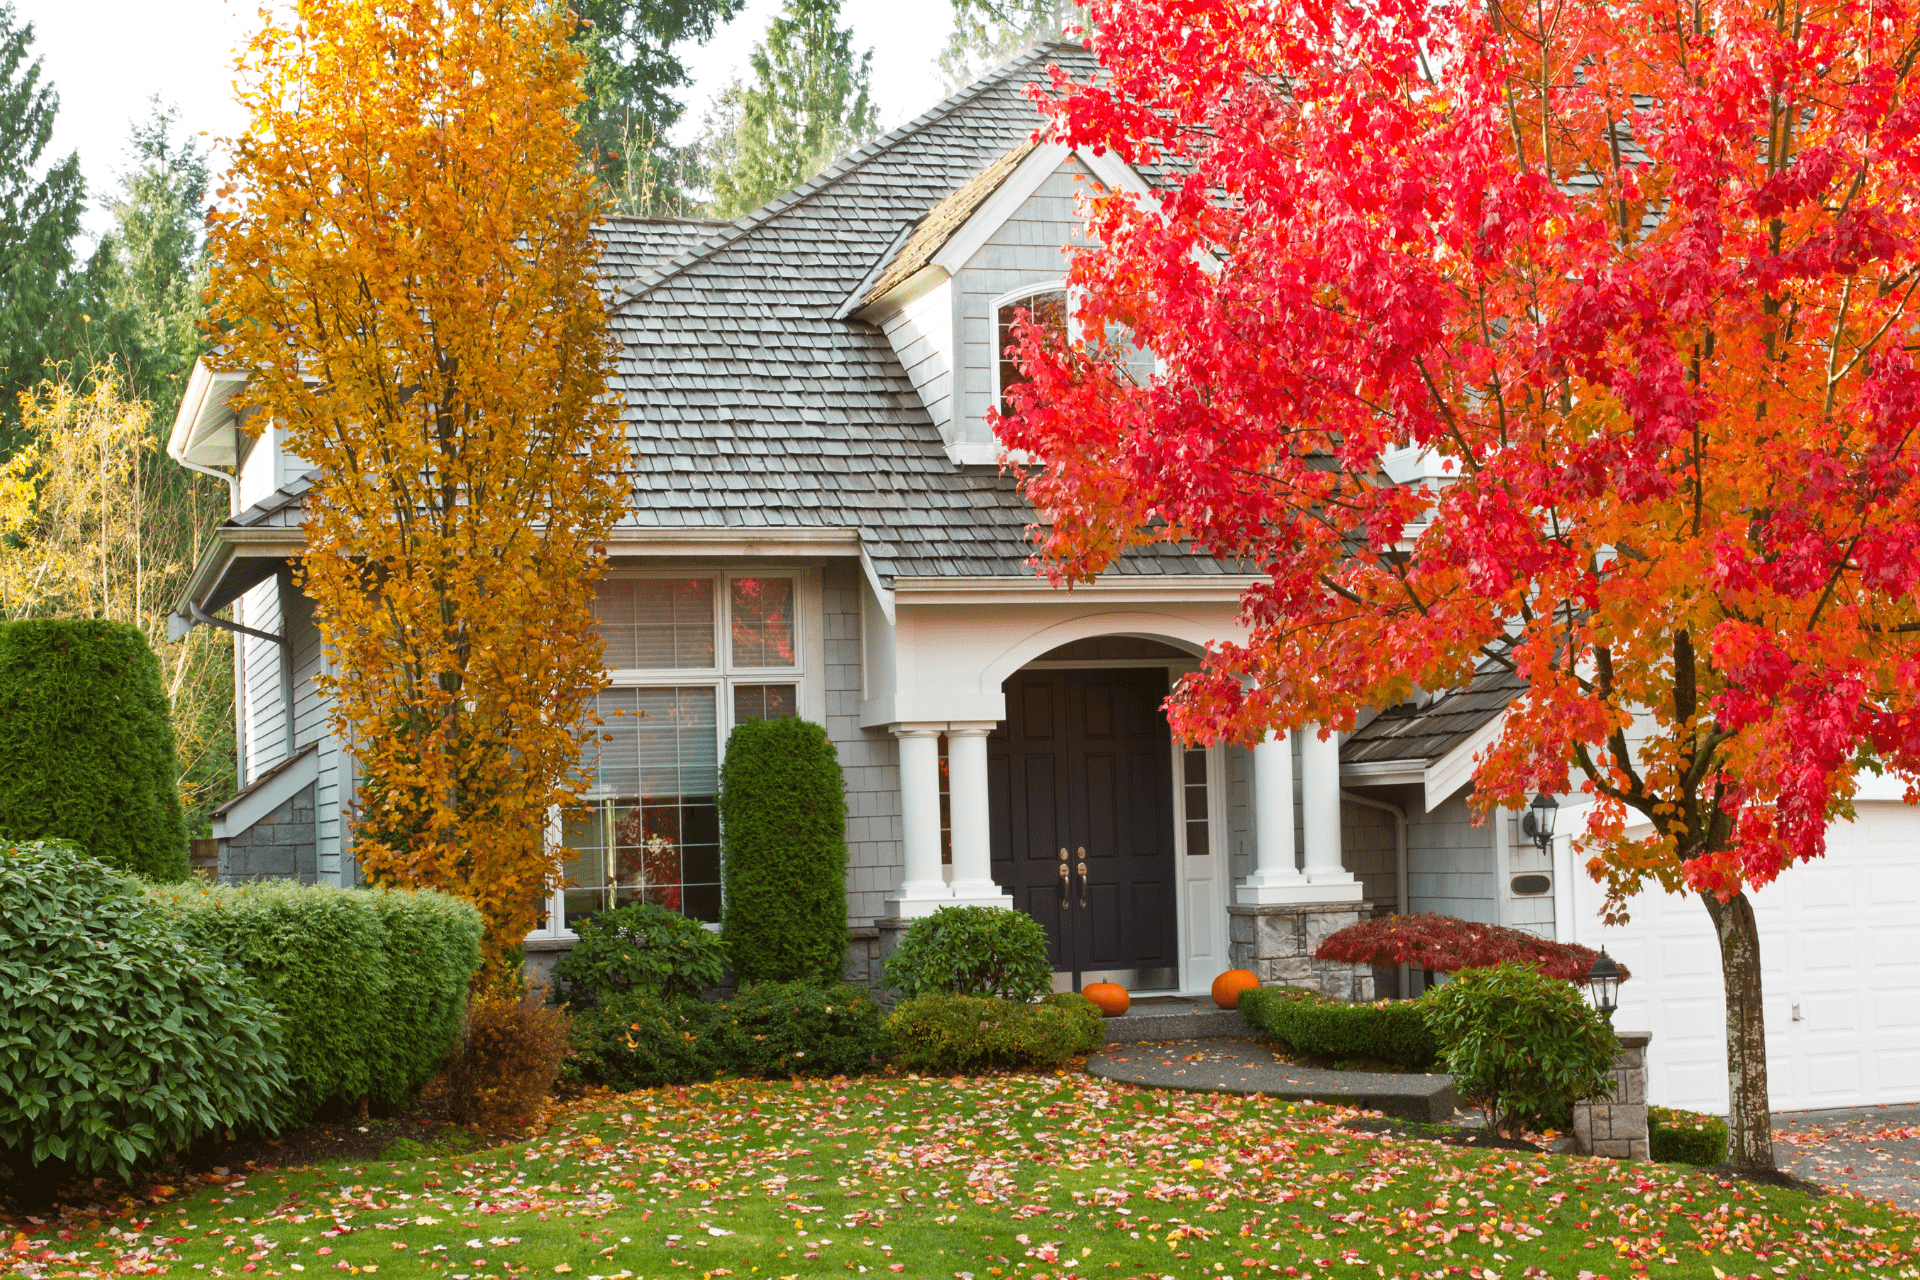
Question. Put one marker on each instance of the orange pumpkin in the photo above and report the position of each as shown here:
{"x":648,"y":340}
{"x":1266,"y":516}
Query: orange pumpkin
{"x":1228,"y":986}
{"x":1110,"y":996}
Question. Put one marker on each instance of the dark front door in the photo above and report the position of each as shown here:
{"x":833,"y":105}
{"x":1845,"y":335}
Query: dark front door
{"x":1080,"y":793}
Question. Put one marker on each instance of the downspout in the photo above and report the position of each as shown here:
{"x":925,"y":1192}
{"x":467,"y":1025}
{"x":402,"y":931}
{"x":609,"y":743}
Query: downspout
{"x":1399,"y":862}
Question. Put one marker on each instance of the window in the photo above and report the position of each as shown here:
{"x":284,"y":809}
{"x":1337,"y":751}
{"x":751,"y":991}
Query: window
{"x":1194,"y":777}
{"x":650,"y":829}
{"x":1048,"y":307}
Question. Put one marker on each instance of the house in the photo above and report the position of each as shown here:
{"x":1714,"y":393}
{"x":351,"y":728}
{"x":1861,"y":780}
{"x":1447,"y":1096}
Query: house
{"x":820,"y":527}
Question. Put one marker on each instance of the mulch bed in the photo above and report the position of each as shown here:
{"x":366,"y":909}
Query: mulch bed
{"x":1450,"y":1135}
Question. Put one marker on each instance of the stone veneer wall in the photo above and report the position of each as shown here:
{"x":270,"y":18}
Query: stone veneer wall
{"x":1277,"y":944}
{"x":281,"y":846}
{"x":1617,"y":1126}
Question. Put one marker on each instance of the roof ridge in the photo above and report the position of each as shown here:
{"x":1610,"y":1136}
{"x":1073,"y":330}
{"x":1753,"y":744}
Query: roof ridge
{"x":651,"y":279}
{"x":656,"y":218}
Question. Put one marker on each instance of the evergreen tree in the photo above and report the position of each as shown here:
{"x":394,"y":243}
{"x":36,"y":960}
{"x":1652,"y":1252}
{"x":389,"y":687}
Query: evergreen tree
{"x":809,"y":103}
{"x":987,"y":33}
{"x":146,"y":278}
{"x":39,"y":216}
{"x":630,"y":76}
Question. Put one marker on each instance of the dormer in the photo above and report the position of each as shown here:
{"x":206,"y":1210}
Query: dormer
{"x":946,"y":293}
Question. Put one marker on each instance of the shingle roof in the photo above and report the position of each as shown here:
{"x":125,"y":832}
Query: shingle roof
{"x":633,"y":245}
{"x":281,"y":509}
{"x":1430,"y":732}
{"x":944,"y":219}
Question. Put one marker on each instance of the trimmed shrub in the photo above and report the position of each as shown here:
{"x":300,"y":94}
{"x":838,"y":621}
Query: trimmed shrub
{"x":639,"y":947}
{"x":1686,"y":1137}
{"x":1521,"y":1046}
{"x":639,"y":1040}
{"x":945,"y":1034}
{"x":86,"y":745}
{"x":370,"y":982}
{"x":972,"y":951}
{"x":784,"y":1029}
{"x":509,"y":1054}
{"x":1089,"y":1023}
{"x":1445,"y":944}
{"x":783,"y":816}
{"x":119,"y":1041}
{"x":1390,"y":1031}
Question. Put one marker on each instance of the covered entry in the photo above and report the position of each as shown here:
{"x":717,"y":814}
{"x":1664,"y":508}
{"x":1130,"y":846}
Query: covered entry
{"x":1081,"y":814}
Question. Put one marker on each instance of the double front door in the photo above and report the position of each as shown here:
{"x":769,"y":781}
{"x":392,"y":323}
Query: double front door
{"x":1080,"y":795}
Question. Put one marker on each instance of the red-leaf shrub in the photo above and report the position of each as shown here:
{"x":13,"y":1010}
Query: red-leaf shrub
{"x":1447,"y":945}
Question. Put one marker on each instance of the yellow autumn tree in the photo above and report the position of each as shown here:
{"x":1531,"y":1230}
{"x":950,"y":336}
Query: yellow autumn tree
{"x":403,"y":264}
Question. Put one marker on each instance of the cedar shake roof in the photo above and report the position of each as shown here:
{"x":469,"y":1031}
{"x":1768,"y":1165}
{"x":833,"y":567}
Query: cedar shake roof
{"x":946,"y":218}
{"x":1428,"y":733}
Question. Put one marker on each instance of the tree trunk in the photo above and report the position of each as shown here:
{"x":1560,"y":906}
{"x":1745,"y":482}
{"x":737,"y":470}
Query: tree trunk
{"x":1750,"y":1136}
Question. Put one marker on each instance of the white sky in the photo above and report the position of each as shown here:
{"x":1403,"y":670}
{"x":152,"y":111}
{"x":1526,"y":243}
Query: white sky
{"x":107,"y":57}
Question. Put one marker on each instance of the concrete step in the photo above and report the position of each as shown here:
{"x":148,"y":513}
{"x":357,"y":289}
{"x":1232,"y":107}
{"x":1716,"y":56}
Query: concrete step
{"x":1175,"y":1020}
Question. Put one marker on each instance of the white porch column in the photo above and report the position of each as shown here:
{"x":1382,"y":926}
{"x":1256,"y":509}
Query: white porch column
{"x":967,"y":795}
{"x":1275,"y":877}
{"x":922,"y":891}
{"x":1320,"y":812}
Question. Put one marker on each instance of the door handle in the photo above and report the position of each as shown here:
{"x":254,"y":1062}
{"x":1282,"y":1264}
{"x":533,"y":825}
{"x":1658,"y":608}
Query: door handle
{"x":1066,"y":881}
{"x":1083,"y":878}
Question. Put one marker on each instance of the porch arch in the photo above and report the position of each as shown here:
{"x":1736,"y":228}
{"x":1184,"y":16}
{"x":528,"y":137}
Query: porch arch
{"x":1166,"y":628}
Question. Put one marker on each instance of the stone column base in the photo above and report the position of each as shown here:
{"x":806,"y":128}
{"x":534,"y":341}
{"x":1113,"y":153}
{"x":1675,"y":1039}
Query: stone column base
{"x":1276,"y":941}
{"x":1617,"y":1125}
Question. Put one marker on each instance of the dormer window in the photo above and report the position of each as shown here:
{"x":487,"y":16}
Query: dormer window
{"x":1047,"y":304}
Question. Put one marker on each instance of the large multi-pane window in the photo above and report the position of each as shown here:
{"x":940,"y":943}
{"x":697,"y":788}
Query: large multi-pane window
{"x":689,"y":657}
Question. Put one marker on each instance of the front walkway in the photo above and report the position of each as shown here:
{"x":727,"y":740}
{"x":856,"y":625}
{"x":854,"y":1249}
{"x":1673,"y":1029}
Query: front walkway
{"x":1219,"y":1064}
{"x":1872,"y":1150}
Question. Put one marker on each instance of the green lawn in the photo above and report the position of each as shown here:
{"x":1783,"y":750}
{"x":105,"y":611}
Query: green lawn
{"x":1029,"y":1178}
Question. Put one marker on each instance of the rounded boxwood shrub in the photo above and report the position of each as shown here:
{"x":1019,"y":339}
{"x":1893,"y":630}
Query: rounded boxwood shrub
{"x":1686,"y":1137}
{"x":371,"y":983}
{"x":945,"y":1034}
{"x":972,"y":951}
{"x":119,"y":1041}
{"x":783,"y":819}
{"x":1521,"y":1046}
{"x":86,"y":745}
{"x":785,"y":1029}
{"x":1394,"y":1032}
{"x":641,"y":1039}
{"x":639,"y":947}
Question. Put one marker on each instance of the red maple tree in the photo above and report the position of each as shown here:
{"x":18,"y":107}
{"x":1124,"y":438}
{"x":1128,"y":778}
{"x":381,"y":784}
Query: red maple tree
{"x":1629,"y":286}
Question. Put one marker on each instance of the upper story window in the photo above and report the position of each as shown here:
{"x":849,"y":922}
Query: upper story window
{"x":1047,"y":304}
{"x":690,"y":656}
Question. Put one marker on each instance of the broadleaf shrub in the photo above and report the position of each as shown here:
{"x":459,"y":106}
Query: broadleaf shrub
{"x":639,"y":947}
{"x":1390,"y":1031}
{"x":972,"y":951}
{"x":86,"y":745}
{"x":509,"y":1054}
{"x":641,"y":1039}
{"x":945,"y":1034}
{"x":120,"y":1041}
{"x":1445,"y":944}
{"x":783,"y":812}
{"x":1521,"y":1046}
{"x":785,"y":1029}
{"x":370,"y":982}
{"x":1686,"y":1137}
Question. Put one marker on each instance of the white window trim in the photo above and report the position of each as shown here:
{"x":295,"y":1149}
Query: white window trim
{"x":721,"y":677}
{"x":995,"y":354}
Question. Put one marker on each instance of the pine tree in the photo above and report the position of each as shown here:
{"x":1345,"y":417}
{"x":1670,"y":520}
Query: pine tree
{"x":39,"y":216}
{"x":148,"y":274}
{"x":809,"y":103}
{"x":631,"y":73}
{"x":988,"y":32}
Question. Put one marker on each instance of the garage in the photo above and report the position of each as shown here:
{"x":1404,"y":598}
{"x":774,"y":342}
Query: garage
{"x":1840,"y":946}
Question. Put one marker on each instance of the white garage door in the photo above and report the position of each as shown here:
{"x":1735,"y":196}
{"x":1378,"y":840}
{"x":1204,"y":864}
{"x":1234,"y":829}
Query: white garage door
{"x":1839,"y":940}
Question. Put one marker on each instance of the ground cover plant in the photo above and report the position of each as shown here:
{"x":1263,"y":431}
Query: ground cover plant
{"x":1055,"y":1177}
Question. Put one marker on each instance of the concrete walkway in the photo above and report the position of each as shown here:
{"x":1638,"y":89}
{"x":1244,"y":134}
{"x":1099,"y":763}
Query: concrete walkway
{"x":1218,"y":1064}
{"x":1872,"y":1150}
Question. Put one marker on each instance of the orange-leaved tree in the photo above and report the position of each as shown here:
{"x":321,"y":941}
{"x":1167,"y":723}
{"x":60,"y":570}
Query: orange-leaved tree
{"x":404,"y":266}
{"x":1632,"y":284}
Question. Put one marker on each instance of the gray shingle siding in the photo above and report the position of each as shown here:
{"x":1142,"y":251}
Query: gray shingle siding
{"x":869,"y":760}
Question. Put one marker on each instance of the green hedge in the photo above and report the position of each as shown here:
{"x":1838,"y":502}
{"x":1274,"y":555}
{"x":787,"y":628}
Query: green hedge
{"x":946,"y":1034}
{"x":119,"y":1042}
{"x":1686,"y":1137}
{"x":371,"y":982}
{"x":784,"y":1029}
{"x":639,"y":946}
{"x":641,"y":1039}
{"x":1391,"y":1031}
{"x":86,"y":745}
{"x":783,"y":814}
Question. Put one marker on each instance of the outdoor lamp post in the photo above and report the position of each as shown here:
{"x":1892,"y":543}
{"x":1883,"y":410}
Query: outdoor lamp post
{"x":1537,"y":825}
{"x":1603,"y":983}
